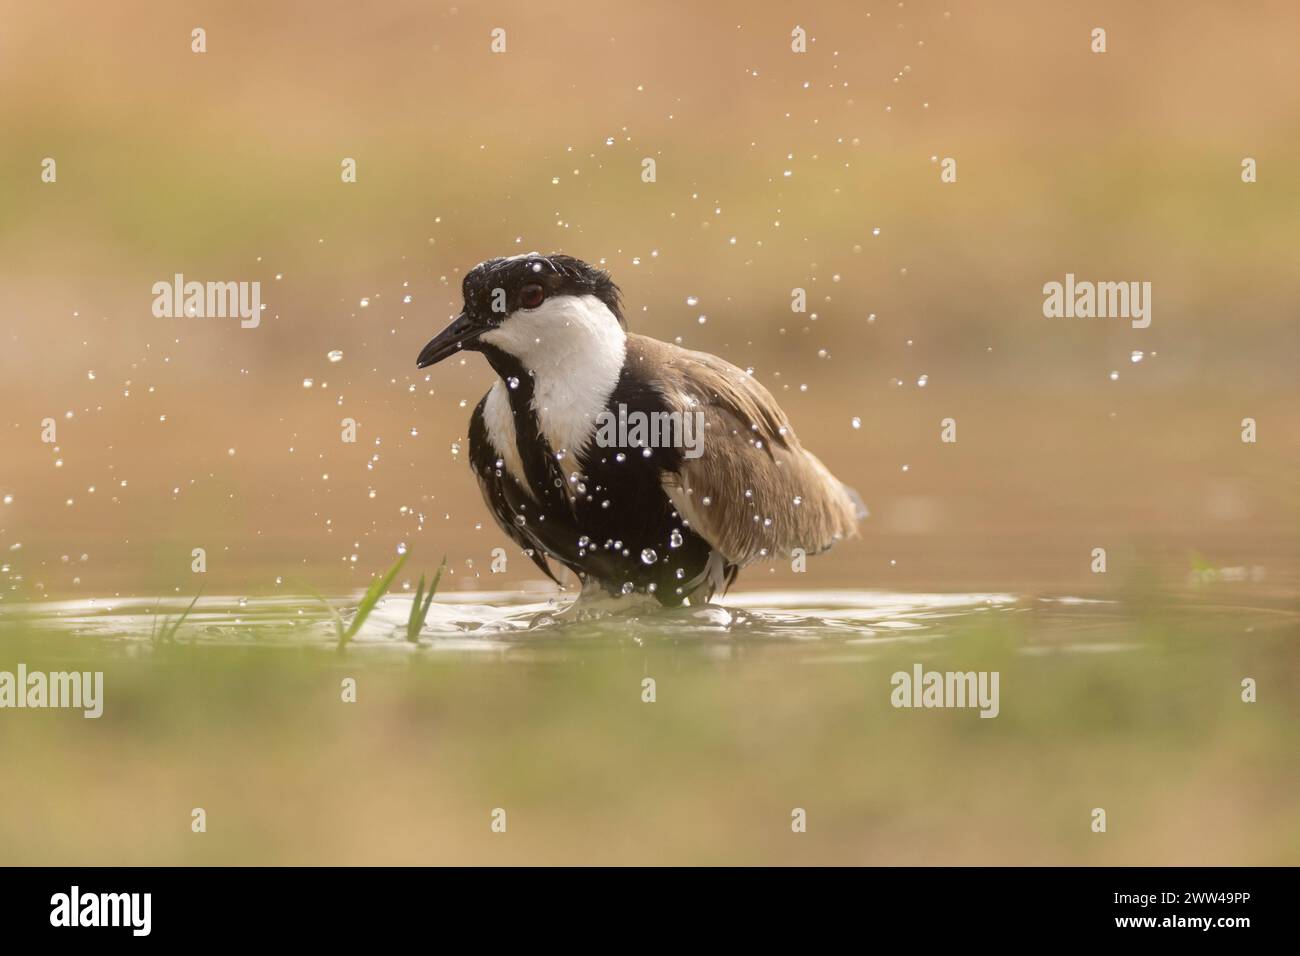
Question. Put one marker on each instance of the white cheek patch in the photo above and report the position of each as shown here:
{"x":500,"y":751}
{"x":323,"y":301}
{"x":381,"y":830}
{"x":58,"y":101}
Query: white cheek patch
{"x":574,"y":347}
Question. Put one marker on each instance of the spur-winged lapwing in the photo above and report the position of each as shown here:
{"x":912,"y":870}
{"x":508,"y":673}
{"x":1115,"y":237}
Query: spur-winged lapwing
{"x":638,"y":465}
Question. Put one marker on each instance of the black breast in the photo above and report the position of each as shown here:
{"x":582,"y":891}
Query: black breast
{"x":602,"y":513}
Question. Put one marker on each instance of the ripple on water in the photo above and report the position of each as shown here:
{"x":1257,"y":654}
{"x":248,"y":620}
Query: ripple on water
{"x":468,"y":622}
{"x":483,"y":620}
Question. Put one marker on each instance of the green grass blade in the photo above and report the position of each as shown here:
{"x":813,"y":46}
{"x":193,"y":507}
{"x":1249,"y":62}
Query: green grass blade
{"x":171,"y":626}
{"x":414,"y":623}
{"x":377,"y":589}
{"x":433,"y":587}
{"x":423,"y":601}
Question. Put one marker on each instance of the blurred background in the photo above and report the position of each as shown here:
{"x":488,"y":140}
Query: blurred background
{"x":775,"y":171}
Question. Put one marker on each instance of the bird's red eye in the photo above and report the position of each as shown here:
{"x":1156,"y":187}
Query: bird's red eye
{"x":531,"y":296}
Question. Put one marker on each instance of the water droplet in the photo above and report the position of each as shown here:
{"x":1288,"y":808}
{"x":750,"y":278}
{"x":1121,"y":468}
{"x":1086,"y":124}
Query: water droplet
{"x":648,"y":556}
{"x":1114,"y":376}
{"x":922,"y":381}
{"x":334,"y":355}
{"x":627,"y":587}
{"x":692,"y":300}
{"x":512,"y":381}
{"x":856,"y":423}
{"x":401,"y":547}
{"x":1136,"y":356}
{"x":675,"y":539}
{"x":520,"y":520}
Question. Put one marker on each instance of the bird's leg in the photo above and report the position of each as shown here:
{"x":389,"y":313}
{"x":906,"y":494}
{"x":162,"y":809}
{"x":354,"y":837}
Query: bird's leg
{"x":708,"y":582}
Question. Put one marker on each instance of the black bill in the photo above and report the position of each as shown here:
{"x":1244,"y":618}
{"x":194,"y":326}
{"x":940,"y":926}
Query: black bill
{"x":450,"y":340}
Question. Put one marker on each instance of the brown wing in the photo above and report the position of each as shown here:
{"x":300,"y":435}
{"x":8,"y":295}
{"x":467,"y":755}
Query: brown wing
{"x":754,"y":492}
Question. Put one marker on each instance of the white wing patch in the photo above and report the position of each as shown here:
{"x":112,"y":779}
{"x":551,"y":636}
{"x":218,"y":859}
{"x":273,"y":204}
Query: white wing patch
{"x":500,"y":423}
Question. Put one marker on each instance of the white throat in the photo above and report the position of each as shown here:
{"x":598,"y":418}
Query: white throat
{"x":574,"y":347}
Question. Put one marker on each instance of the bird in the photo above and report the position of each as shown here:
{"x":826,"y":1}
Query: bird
{"x":570,"y":482}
